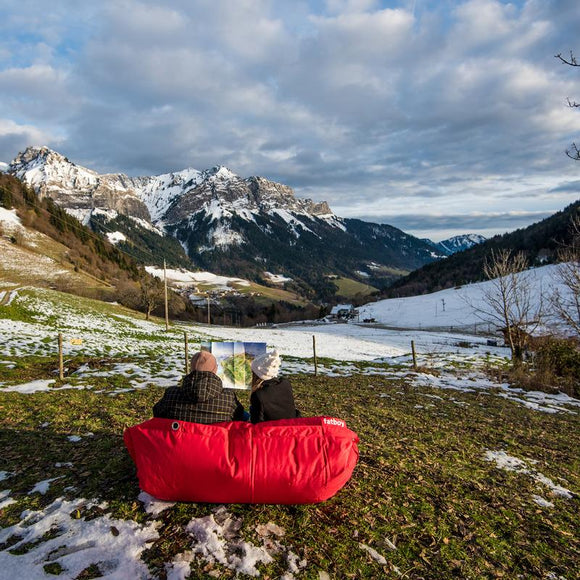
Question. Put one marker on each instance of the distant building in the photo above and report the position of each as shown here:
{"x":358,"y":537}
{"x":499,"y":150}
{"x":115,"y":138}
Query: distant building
{"x":342,"y":311}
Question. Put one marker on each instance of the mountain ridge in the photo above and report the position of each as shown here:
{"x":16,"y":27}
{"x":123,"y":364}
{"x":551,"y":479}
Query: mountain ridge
{"x":228,"y":224}
{"x":458,"y":243}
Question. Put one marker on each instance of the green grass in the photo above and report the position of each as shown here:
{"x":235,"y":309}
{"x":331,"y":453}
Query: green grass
{"x":349,"y":288}
{"x":421,"y":484}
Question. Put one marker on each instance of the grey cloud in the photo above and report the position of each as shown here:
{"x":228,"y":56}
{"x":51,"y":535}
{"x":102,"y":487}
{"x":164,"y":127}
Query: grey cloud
{"x":463,"y":223}
{"x":14,"y":138}
{"x":352,"y":108}
{"x":566,"y":187}
{"x":13,"y":142}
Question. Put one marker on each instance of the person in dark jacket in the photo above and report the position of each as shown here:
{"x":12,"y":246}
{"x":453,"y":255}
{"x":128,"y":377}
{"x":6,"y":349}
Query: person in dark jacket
{"x":202,"y":397}
{"x":272,"y":396}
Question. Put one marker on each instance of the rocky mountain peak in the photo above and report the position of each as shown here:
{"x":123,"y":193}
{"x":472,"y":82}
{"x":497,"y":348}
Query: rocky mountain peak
{"x":460,"y":243}
{"x":38,"y":154}
{"x":78,"y":189}
{"x":219,"y":173}
{"x":164,"y":199}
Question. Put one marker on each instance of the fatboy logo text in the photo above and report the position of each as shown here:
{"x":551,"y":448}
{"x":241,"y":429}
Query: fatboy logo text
{"x":336,"y":422}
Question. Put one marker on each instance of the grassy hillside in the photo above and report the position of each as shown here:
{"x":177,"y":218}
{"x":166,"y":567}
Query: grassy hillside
{"x":52,"y":249}
{"x":349,"y":288}
{"x":31,"y":257}
{"x":430,"y":497}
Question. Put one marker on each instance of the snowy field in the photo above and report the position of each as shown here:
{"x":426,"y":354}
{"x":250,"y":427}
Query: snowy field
{"x":146,"y":354}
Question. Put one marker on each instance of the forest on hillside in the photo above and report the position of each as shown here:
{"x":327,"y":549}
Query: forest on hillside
{"x":540,"y":243}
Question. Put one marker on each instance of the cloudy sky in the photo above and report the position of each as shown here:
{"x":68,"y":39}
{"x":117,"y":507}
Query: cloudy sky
{"x":438,"y":117}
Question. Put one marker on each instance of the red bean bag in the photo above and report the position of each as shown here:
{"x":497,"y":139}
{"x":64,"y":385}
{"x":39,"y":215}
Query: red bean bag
{"x":291,"y":461}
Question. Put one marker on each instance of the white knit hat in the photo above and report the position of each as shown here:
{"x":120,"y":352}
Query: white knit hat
{"x":267,"y":365}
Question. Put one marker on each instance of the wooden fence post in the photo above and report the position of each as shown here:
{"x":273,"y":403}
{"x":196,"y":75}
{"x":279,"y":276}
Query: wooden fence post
{"x":186,"y":354}
{"x":414,"y":354}
{"x":315,"y":359}
{"x":165,"y":297}
{"x":60,"y":359}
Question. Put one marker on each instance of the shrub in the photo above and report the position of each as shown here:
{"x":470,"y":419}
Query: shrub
{"x":559,"y":358}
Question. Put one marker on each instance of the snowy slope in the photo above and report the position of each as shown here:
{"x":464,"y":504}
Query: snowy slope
{"x":454,"y":308}
{"x":187,"y":278}
{"x":161,"y":191}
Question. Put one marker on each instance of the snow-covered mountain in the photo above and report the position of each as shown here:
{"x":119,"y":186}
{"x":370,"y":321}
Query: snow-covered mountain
{"x":168,"y":198}
{"x":456,"y":243}
{"x":460,"y":243}
{"x":226,"y":223}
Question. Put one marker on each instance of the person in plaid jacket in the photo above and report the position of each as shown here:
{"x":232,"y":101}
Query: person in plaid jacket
{"x":202,"y":397}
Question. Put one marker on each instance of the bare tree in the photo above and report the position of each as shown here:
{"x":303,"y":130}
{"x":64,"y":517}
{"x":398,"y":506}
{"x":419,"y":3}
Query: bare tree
{"x":151,"y":294}
{"x":573,"y":152}
{"x":565,"y":299}
{"x":511,"y":300}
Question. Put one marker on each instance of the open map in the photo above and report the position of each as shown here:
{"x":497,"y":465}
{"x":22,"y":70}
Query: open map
{"x":234,"y":360}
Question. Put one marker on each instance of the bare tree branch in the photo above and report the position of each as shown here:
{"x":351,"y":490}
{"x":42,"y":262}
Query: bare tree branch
{"x":565,"y":300}
{"x":573,"y":152}
{"x":571,"y":62}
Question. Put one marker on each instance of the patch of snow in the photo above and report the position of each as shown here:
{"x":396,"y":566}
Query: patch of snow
{"x":293,"y":222}
{"x":213,"y":541}
{"x":83,"y":215}
{"x":509,"y":463}
{"x":276,"y":278}
{"x":186,"y":277}
{"x":108,"y":214}
{"x":221,"y":236}
{"x":78,"y":544}
{"x":31,"y":387}
{"x":9,"y":218}
{"x":374,"y":554}
{"x":42,"y":486}
{"x":158,"y":193}
{"x":180,"y":567}
{"x":146,"y":225}
{"x":116,"y":237}
{"x":333,"y":220}
{"x":152,"y":505}
{"x":542,"y":502}
{"x":5,"y":499}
